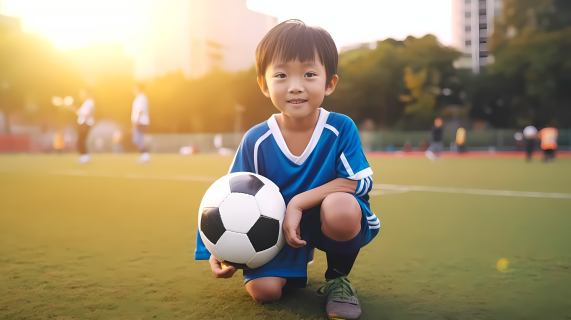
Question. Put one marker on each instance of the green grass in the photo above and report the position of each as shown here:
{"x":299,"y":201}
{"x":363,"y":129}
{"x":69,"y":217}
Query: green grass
{"x":117,"y":247}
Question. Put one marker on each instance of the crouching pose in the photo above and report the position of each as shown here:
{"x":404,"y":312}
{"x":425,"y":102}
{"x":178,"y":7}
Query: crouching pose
{"x":315,"y":158}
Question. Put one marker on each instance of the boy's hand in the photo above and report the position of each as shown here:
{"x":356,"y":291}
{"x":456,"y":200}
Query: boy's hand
{"x":291,"y":225}
{"x":218,"y":271}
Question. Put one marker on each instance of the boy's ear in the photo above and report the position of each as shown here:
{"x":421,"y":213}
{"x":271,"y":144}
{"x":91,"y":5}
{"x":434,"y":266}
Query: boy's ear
{"x":331,"y":85}
{"x":263,"y":86}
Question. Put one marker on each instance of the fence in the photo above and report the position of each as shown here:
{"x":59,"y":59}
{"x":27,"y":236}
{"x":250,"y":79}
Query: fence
{"x":500,"y":140}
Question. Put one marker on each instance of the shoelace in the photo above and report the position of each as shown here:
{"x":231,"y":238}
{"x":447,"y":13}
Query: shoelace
{"x":339,"y":288}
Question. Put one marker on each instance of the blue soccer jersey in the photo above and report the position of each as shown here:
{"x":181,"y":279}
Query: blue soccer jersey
{"x":334,"y":151}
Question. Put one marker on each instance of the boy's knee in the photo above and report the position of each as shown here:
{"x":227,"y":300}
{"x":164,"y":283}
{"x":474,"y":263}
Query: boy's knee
{"x":340,"y":214}
{"x":265,"y":290}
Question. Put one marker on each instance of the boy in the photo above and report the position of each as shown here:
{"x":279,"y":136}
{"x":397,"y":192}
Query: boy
{"x":315,"y":158}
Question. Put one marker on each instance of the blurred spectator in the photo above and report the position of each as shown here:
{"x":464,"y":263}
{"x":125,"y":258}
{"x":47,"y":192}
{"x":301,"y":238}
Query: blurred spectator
{"x":518,"y":137}
{"x":407,"y":147}
{"x":461,"y":139}
{"x":435,"y":148}
{"x":59,"y":142}
{"x":548,"y":137}
{"x":530,"y":135}
{"x":85,"y":120}
{"x":117,"y":141}
{"x":140,"y":120}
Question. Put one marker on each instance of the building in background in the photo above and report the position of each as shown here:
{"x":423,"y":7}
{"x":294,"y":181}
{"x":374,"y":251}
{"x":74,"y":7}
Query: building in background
{"x":472,"y":25}
{"x":197,"y":36}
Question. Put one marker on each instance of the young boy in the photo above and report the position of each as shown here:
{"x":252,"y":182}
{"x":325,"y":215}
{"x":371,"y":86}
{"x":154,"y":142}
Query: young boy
{"x":315,"y":158}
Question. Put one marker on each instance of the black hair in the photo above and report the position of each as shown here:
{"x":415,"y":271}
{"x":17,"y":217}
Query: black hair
{"x":294,"y":40}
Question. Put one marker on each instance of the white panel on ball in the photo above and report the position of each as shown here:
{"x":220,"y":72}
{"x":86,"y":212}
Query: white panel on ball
{"x":263,"y":257}
{"x":235,"y":247}
{"x":271,"y":203}
{"x":216,"y":194}
{"x":239,"y":212}
{"x":211,"y":247}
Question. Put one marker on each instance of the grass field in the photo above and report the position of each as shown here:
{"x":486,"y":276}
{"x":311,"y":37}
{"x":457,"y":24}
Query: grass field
{"x":115,"y":240}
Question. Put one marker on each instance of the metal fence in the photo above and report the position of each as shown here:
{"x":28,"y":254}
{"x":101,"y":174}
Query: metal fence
{"x":499,"y":140}
{"x":101,"y":141}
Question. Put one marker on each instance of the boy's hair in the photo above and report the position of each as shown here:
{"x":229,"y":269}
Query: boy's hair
{"x":293,"y":40}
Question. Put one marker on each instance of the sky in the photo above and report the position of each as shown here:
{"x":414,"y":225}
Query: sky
{"x":71,"y":24}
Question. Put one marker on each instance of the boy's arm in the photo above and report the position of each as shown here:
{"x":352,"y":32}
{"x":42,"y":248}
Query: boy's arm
{"x":310,"y":199}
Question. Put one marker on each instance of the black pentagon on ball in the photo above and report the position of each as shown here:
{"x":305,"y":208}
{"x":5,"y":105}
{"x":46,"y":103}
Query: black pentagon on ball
{"x":264,"y":234}
{"x":236,"y":265}
{"x":211,"y":224}
{"x":247,"y":183}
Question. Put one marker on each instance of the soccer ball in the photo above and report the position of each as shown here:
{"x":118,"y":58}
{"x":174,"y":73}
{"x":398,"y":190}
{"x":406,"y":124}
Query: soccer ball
{"x":240,"y":220}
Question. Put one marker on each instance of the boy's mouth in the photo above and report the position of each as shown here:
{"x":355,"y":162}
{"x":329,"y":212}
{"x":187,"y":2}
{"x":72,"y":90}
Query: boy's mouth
{"x":296,"y":101}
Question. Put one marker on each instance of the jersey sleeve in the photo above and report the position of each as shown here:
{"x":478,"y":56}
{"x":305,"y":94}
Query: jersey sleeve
{"x":200,"y":253}
{"x":243,"y":162}
{"x":351,"y":163}
{"x":244,"y":158}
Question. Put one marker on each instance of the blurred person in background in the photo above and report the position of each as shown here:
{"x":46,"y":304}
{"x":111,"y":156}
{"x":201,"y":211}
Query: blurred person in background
{"x":435,"y":148}
{"x":530,"y":135}
{"x":461,"y":139}
{"x":117,"y":141}
{"x":59,"y":142}
{"x":548,"y":137}
{"x":140,"y":120}
{"x":85,"y":120}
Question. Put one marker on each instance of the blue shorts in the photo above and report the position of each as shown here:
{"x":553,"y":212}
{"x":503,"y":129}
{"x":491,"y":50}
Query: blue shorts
{"x":291,"y":263}
{"x":314,"y":236}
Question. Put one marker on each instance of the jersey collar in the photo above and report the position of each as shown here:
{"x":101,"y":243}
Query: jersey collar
{"x":278,"y":137}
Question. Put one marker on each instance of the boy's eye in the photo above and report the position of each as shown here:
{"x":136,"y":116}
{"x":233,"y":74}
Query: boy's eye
{"x":281,"y":76}
{"x":310,"y":75}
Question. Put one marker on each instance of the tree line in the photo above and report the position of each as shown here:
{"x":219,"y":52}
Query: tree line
{"x":388,"y":85}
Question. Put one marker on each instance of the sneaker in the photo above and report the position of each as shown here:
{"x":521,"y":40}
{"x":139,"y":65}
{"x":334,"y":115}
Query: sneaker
{"x":145,"y":157}
{"x":84,"y":158}
{"x":341,"y":300}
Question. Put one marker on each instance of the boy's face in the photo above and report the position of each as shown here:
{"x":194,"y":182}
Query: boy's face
{"x":296,"y":89}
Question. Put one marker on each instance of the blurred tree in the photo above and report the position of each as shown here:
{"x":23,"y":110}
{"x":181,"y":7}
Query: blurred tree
{"x":530,"y":79}
{"x":395,"y":79}
{"x":31,"y":72}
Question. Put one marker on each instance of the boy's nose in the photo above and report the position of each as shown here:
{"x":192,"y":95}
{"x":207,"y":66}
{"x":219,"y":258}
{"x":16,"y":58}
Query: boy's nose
{"x":296,"y":88}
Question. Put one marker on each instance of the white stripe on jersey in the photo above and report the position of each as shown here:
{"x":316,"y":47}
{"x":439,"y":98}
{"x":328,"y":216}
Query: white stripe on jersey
{"x":361,"y":183}
{"x":347,"y":166}
{"x":330,"y":127}
{"x":361,"y":174}
{"x":366,"y":187}
{"x":262,"y":138}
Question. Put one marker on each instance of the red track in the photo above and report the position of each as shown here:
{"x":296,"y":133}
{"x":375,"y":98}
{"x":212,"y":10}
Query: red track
{"x":468,"y":154}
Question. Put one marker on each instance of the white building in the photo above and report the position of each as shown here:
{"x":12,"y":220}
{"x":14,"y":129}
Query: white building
{"x":472,"y":24}
{"x":196,"y":36}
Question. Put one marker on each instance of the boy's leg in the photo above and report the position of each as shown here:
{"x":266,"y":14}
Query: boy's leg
{"x":266,"y":289}
{"x":341,"y":224}
{"x":341,"y":227}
